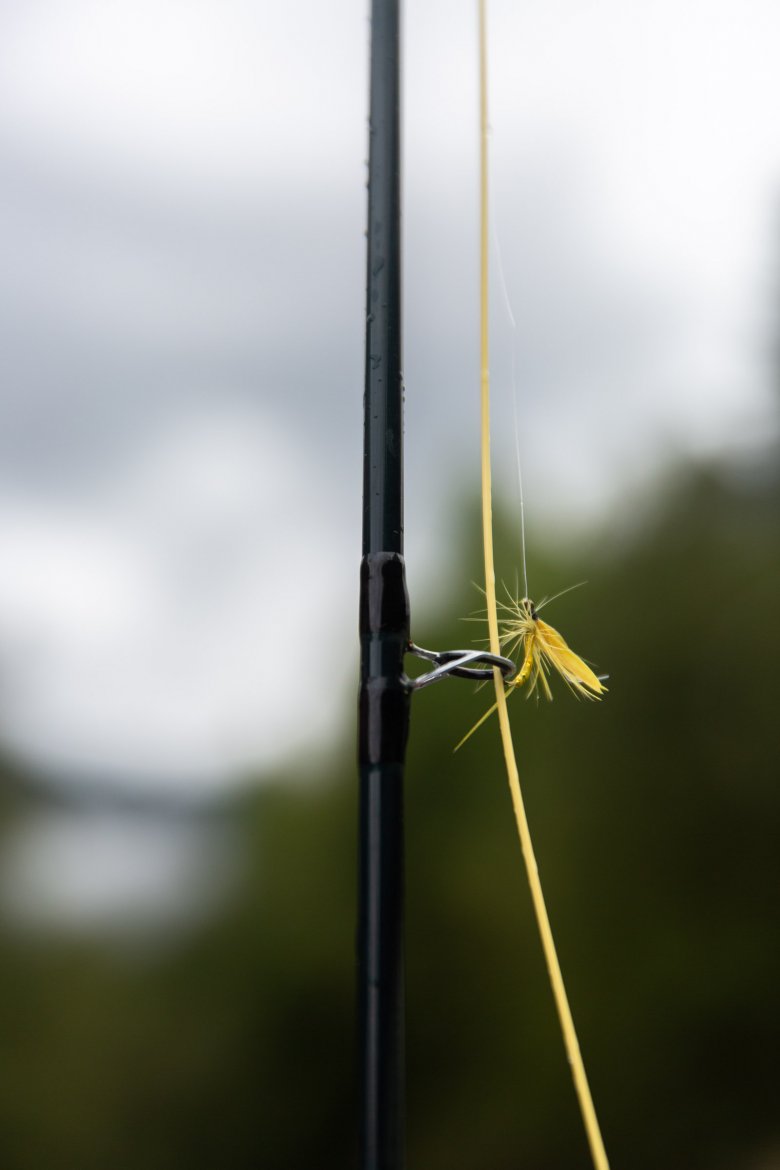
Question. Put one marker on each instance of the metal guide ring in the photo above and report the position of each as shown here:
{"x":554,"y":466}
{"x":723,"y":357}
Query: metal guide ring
{"x":455,"y":662}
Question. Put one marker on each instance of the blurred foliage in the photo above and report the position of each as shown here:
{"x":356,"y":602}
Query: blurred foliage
{"x":655,"y":816}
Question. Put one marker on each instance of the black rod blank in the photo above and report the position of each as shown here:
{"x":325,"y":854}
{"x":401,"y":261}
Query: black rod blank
{"x":384,"y":631}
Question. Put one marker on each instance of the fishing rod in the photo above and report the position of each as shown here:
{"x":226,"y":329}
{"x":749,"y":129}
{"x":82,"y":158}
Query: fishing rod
{"x":385,"y":690}
{"x":384,"y":700}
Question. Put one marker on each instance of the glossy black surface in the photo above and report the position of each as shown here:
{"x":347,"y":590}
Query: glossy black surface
{"x":384,"y":632}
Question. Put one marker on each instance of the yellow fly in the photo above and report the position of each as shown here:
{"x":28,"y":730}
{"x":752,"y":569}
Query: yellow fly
{"x":522,"y":631}
{"x":521,"y":628}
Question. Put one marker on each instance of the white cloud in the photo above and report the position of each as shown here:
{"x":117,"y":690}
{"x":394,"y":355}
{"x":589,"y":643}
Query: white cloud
{"x":98,"y":871}
{"x":182,"y":326}
{"x":215,"y":92}
{"x":167,"y":632}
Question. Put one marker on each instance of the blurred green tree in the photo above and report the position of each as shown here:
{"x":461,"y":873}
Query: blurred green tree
{"x":655,"y":819}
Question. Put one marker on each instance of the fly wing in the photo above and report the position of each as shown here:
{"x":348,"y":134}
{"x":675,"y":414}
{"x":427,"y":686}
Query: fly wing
{"x":566,"y":662}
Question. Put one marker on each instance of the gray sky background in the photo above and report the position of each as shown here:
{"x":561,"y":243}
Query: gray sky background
{"x":182,"y":211}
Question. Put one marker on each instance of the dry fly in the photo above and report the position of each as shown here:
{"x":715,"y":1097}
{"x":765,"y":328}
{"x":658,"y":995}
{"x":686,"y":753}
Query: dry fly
{"x":523,"y":633}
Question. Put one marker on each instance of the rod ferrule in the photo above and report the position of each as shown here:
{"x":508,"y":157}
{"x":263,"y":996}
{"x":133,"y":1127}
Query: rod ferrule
{"x":384,"y":634}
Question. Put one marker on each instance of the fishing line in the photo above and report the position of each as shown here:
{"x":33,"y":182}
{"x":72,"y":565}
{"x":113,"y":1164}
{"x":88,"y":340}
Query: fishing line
{"x":515,"y":383}
{"x":590,"y":1120}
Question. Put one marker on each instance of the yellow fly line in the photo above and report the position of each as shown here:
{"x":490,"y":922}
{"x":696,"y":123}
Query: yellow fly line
{"x":589,"y":1117}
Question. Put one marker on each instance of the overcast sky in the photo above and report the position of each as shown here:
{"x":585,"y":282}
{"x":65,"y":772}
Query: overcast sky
{"x":182,"y":211}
